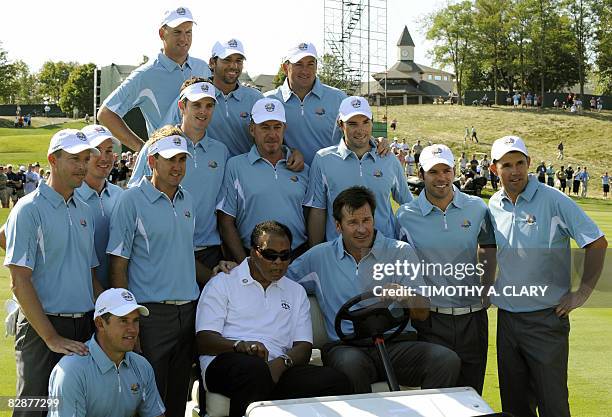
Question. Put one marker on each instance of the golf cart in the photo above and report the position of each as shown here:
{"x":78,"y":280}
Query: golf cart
{"x":374,"y":325}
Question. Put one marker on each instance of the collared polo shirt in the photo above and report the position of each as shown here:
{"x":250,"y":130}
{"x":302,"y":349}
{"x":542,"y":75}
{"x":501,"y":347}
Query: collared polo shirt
{"x":101,"y":206}
{"x":238,"y":307}
{"x":156,"y":235}
{"x":203,"y":180}
{"x":255,"y":191}
{"x":311,"y":123}
{"x":55,"y":239}
{"x":448,"y":242}
{"x":231,"y":118}
{"x":153,"y":86}
{"x":533,"y":244}
{"x":337,"y":168}
{"x":93,"y":386}
{"x":332,"y":274}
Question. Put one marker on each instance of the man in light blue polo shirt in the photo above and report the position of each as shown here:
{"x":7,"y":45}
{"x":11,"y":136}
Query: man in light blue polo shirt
{"x":50,"y":254}
{"x":99,"y":193}
{"x":152,"y":87}
{"x":533,"y":224}
{"x":151,"y":248}
{"x":204,"y":170}
{"x":353,"y":161}
{"x":311,"y":106}
{"x":112,"y":380}
{"x":230,"y":125}
{"x":352,"y":264}
{"x":259,"y":186}
{"x":447,"y":228}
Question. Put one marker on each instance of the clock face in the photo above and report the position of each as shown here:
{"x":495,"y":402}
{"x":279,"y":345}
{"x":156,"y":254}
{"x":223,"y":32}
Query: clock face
{"x":404,"y":53}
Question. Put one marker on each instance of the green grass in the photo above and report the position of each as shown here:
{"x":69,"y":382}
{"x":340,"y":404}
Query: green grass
{"x":28,"y":145}
{"x":585,"y":137}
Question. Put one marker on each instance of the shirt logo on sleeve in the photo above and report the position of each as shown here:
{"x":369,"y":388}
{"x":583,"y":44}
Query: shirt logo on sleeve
{"x":135,"y":388}
{"x":285,"y":304}
{"x":294,"y":178}
{"x":378,"y":173}
{"x":466,"y":224}
{"x":187,"y":214}
{"x":83,"y":222}
{"x":320,"y":111}
{"x":212,"y":164}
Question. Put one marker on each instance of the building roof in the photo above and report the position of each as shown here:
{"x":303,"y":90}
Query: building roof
{"x":407,"y":69}
{"x":405,"y":39}
{"x":264,"y":82}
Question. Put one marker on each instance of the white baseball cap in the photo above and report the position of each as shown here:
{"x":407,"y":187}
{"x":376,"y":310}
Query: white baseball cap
{"x":169,"y":146}
{"x":266,"y":109}
{"x":22,"y":168}
{"x":507,"y":144}
{"x":175,"y":17}
{"x":352,"y":106}
{"x":118,"y":302}
{"x":96,"y":134}
{"x":198,"y":91}
{"x":72,"y":141}
{"x":225,"y":49}
{"x":434,"y":155}
{"x":300,"y":51}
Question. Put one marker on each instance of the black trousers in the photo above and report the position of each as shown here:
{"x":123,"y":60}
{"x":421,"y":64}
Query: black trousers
{"x":246,"y":379}
{"x":532,"y":356}
{"x":167,"y":339}
{"x":467,"y":335}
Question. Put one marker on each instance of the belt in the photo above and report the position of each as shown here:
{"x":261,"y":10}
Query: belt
{"x":176,"y":302}
{"x":456,"y":311}
{"x":68,"y":315}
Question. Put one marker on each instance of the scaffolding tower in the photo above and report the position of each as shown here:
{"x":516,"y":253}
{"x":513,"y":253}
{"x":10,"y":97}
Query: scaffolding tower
{"x":355,"y":40}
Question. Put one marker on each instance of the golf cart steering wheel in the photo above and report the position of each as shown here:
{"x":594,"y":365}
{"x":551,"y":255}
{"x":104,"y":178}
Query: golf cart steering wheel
{"x":370,"y":322}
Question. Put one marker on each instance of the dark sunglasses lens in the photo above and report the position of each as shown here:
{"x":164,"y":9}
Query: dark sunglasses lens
{"x":271,"y":255}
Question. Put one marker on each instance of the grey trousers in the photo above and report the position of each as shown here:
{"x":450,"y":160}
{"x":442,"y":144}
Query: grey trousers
{"x":415,"y":364}
{"x":167,"y":339}
{"x":467,"y":335}
{"x":34,"y":359}
{"x":532,"y":355}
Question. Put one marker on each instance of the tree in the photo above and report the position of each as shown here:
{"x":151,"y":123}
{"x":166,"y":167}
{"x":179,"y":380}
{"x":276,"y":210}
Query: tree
{"x":7,"y":77}
{"x":491,"y":23}
{"x":603,"y":46}
{"x":332,"y":72}
{"x":451,"y":29}
{"x":53,"y":76}
{"x":582,"y":19}
{"x":279,"y":78}
{"x":78,"y":91}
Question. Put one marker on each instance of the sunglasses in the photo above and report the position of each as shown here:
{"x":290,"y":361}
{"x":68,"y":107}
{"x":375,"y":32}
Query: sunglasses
{"x":271,"y":255}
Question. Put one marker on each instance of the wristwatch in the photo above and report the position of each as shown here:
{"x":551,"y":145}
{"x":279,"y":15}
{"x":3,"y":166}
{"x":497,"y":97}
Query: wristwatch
{"x":236,"y":343}
{"x":288,"y":361}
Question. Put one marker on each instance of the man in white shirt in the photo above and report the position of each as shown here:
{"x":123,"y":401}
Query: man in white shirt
{"x":254,"y":332}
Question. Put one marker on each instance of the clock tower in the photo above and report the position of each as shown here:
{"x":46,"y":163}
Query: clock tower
{"x":405,"y":46}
